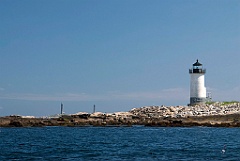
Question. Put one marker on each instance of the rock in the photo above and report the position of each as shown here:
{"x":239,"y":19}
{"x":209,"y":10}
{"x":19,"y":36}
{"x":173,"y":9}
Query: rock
{"x":15,"y":124}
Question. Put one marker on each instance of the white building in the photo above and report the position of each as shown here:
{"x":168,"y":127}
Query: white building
{"x":198,"y":92}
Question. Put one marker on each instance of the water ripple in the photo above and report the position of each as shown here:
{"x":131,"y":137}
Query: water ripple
{"x":119,"y":143}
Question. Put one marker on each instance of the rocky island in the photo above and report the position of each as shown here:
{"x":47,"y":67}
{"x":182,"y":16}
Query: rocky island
{"x":217,"y":114}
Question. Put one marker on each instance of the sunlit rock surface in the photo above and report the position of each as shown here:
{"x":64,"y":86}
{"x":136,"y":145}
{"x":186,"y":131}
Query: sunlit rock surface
{"x":186,"y":111}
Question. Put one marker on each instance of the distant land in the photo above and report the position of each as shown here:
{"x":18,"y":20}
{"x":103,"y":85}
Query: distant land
{"x":213,"y":114}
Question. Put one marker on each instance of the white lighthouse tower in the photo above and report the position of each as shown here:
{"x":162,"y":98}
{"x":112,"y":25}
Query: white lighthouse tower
{"x":197,"y":86}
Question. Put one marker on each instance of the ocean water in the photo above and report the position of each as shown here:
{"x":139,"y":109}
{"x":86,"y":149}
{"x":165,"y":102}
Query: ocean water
{"x":119,"y":143}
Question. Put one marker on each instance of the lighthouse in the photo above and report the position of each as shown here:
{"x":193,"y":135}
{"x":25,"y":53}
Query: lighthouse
{"x":197,"y":86}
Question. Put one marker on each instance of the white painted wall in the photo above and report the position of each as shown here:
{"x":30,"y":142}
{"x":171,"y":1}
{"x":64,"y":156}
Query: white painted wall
{"x":197,"y":86}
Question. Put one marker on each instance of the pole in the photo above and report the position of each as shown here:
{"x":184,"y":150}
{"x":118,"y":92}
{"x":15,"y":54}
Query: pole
{"x":61,"y":108}
{"x":94,"y":108}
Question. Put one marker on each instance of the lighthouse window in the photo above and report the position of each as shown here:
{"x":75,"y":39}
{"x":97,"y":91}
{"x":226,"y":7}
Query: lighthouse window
{"x":197,"y":67}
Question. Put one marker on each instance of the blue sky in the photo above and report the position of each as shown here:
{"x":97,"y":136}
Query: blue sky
{"x":116,"y":54}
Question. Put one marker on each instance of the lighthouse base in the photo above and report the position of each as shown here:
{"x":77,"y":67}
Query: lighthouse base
{"x":197,"y":101}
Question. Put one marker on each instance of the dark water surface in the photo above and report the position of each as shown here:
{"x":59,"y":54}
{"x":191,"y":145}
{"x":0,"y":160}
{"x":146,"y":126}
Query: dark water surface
{"x":119,"y":143}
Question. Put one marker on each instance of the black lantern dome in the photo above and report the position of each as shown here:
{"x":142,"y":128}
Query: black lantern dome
{"x":197,"y":63}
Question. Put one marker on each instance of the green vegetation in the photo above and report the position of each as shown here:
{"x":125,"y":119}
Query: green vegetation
{"x":229,"y":103}
{"x":221,"y":103}
{"x":210,"y":103}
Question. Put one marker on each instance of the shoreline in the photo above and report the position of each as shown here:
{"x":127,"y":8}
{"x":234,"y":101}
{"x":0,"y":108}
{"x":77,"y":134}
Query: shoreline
{"x":213,"y":115}
{"x":231,"y":120}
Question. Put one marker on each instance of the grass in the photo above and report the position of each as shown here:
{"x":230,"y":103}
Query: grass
{"x":222,"y":103}
{"x":210,"y":103}
{"x":229,"y":103}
